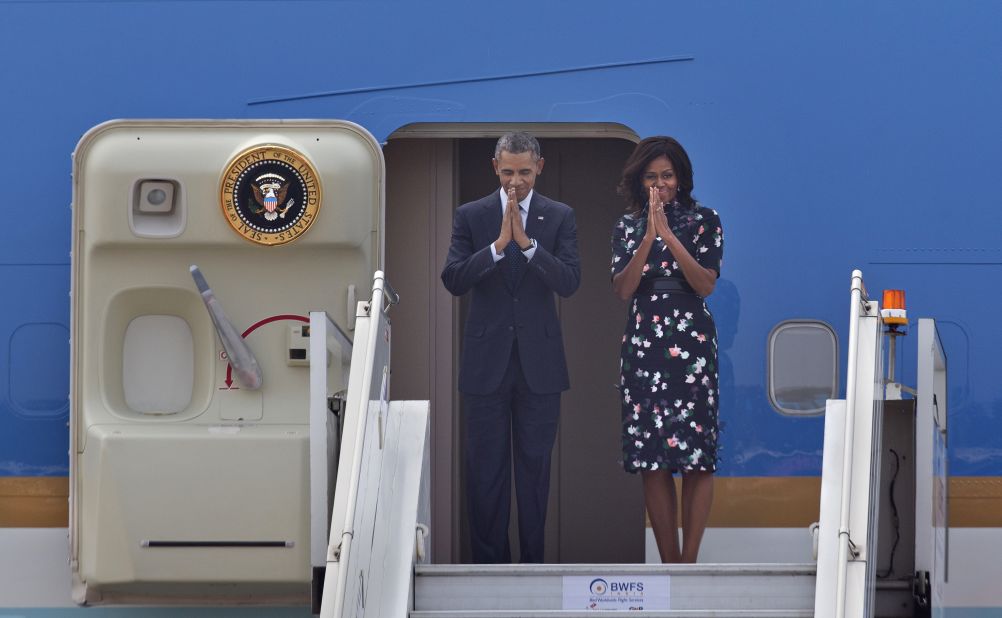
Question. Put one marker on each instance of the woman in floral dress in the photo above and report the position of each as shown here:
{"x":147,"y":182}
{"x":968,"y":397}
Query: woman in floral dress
{"x":666,"y":255}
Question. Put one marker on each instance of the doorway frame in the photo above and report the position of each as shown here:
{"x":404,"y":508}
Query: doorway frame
{"x":444,"y":353}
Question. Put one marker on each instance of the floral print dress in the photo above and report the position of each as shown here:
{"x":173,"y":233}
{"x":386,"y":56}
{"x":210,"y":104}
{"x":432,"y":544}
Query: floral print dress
{"x":668,"y":360}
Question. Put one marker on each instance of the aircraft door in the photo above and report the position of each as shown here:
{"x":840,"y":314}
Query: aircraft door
{"x":190,"y":471}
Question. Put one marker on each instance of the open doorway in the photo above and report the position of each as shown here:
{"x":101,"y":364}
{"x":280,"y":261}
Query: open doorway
{"x":596,"y":511}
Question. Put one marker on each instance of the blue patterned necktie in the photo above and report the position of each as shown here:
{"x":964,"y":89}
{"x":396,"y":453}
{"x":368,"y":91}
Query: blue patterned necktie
{"x":515,"y":263}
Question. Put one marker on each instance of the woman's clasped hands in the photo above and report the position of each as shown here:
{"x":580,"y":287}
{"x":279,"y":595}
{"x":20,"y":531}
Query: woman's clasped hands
{"x":657,"y":221}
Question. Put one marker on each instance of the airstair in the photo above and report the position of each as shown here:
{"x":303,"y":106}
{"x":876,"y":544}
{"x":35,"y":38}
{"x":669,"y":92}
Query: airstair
{"x":376,"y":564}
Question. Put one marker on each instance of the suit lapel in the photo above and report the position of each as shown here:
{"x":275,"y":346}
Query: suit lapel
{"x":492,"y":216}
{"x":536,"y":221}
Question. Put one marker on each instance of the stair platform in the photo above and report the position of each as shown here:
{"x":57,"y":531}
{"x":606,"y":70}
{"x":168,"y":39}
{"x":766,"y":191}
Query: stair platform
{"x":694,"y":590}
{"x":681,"y":613}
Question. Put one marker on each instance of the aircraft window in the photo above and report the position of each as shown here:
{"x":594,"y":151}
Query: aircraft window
{"x":158,"y":362}
{"x":39,"y":386}
{"x":802,"y":366}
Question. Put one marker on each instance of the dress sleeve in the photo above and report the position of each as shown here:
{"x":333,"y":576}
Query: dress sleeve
{"x":622,"y":245}
{"x":710,"y":242}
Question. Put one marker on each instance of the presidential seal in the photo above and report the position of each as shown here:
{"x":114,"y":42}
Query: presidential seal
{"x":270,"y":194}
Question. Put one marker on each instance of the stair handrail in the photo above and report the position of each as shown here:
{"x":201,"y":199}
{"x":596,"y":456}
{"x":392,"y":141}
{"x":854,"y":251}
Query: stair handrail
{"x":858,"y":300}
{"x":326,"y":337}
{"x":370,"y":323}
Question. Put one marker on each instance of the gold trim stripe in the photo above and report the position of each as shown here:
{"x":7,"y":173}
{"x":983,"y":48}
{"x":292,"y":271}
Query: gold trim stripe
{"x":792,"y":502}
{"x":739,"y":502}
{"x":766,"y":502}
{"x":34,"y":502}
{"x":976,"y":502}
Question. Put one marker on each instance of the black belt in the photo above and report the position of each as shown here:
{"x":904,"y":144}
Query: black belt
{"x":664,"y":284}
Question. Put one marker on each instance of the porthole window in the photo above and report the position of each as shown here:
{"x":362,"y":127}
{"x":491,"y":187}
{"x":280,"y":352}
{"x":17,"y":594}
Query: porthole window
{"x":39,"y":386}
{"x":158,"y":360}
{"x":802,"y":367}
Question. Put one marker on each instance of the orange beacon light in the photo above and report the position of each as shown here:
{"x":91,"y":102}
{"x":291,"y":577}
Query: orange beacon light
{"x":892,"y":310}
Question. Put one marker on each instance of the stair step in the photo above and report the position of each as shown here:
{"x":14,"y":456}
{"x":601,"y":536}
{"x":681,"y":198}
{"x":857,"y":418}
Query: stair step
{"x":694,"y":589}
{"x":680,"y":613}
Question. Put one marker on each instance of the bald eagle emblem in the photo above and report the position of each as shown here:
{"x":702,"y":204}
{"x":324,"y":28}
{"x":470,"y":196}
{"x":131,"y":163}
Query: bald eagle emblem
{"x":269,"y":192}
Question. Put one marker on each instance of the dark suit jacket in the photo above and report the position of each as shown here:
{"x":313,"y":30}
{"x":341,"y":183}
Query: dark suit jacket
{"x":498,"y":315}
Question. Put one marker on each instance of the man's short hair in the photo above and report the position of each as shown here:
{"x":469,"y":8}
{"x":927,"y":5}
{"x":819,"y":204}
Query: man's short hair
{"x":517,"y":142}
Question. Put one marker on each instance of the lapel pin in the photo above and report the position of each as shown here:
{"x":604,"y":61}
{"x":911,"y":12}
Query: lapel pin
{"x":540,"y":217}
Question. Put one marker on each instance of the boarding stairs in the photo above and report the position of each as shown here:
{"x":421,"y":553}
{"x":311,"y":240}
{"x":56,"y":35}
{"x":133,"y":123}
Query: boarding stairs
{"x":376,"y":564}
{"x":531,"y":591}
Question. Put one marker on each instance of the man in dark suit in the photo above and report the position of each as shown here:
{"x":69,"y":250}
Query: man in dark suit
{"x":511,"y":250}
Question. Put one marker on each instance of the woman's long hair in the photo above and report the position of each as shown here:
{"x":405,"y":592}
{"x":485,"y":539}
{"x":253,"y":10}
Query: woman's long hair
{"x":631,"y":185}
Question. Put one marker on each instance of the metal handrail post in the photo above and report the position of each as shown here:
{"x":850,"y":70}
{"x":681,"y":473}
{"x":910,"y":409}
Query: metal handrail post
{"x":323,"y":333}
{"x":850,"y":418}
{"x":341,"y":540}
